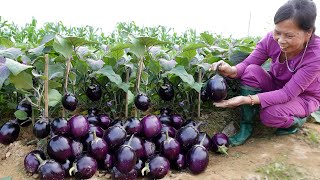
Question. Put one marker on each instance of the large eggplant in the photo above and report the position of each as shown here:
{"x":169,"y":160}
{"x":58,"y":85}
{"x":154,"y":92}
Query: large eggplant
{"x":216,"y":88}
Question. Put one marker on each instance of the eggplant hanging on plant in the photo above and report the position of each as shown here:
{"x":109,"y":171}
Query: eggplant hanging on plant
{"x":166,"y":91}
{"x":41,"y":128}
{"x":94,"y":92}
{"x":217,"y":88}
{"x":142,"y":102}
{"x":69,"y":101}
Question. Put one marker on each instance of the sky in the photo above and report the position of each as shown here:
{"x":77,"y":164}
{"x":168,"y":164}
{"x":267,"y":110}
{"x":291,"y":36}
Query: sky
{"x":225,"y":17}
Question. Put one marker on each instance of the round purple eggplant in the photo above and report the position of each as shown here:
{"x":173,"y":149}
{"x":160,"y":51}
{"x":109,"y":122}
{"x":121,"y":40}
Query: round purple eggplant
{"x":187,"y":136}
{"x":76,"y":148}
{"x":126,"y":158}
{"x":84,"y":167}
{"x":171,"y":130}
{"x":166,"y":92}
{"x":142,"y":102}
{"x":60,"y":126}
{"x":94,"y":128}
{"x":177,"y":120}
{"x":98,"y":147}
{"x":69,"y":102}
{"x":130,"y":175}
{"x":115,"y":136}
{"x":149,"y":148}
{"x":59,"y":148}
{"x":206,"y":142}
{"x":165,"y":119}
{"x":204,"y":95}
{"x":158,"y":167}
{"x":41,"y":128}
{"x":9,"y":132}
{"x":197,"y":158}
{"x":79,"y":126}
{"x":50,"y":169}
{"x":137,"y":146}
{"x":108,"y":162}
{"x":220,"y":143}
{"x":31,"y":163}
{"x":151,"y":126}
{"x":133,"y":126}
{"x":217,"y":88}
{"x":94,"y":92}
{"x":93,"y":119}
{"x":105,"y":121}
{"x":170,"y":148}
{"x":179,"y":163}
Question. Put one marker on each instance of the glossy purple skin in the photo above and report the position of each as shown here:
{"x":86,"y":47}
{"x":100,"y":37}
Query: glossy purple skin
{"x":219,"y":139}
{"x":69,"y":102}
{"x":86,"y":167}
{"x":170,"y":148}
{"x":117,"y":175}
{"x":41,"y":128}
{"x":165,"y":119}
{"x":176,"y":120}
{"x":9,"y":132}
{"x":159,"y":139}
{"x":60,"y":126}
{"x":149,"y":148}
{"x":187,"y":136}
{"x":133,"y":126}
{"x":66,"y":166}
{"x":93,"y":119}
{"x":94,"y":92}
{"x":59,"y":148}
{"x":31,"y":163}
{"x":151,"y":126}
{"x":166,"y":92}
{"x":76,"y":148}
{"x":137,"y":145}
{"x":206,"y":142}
{"x":159,"y":167}
{"x":217,"y":88}
{"x":108,"y":161}
{"x":197,"y":159}
{"x":142,"y":102}
{"x":79,"y":126}
{"x":105,"y":121}
{"x":99,"y":131}
{"x":171,"y":130}
{"x":51,"y":170}
{"x":125,"y":158}
{"x":179,"y":163}
{"x":98,"y":148}
{"x":115,"y":136}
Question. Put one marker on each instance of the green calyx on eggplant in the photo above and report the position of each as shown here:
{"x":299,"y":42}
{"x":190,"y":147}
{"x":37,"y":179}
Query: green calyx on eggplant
{"x":217,"y":88}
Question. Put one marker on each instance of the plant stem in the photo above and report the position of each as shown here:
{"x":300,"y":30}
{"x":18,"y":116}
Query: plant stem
{"x":46,"y":88}
{"x":127,"y":95}
{"x":138,"y":82}
{"x":199,"y":94}
{"x":66,"y":82}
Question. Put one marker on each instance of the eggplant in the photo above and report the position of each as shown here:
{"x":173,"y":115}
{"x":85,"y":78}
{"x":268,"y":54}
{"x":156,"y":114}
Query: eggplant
{"x":93,"y":110}
{"x":179,"y":163}
{"x":93,"y":119}
{"x":149,"y":148}
{"x":204,"y":95}
{"x":50,"y":169}
{"x":197,"y":158}
{"x":133,"y":126}
{"x":60,"y":126}
{"x":157,"y":167}
{"x":31,"y":163}
{"x":207,"y":143}
{"x":177,"y":121}
{"x":166,"y":92}
{"x":108,"y":162}
{"x":165,"y":119}
{"x":170,"y":148}
{"x":94,"y":92}
{"x":126,"y":157}
{"x":151,"y":126}
{"x":220,"y":143}
{"x":115,"y":136}
{"x":187,"y":136}
{"x":142,"y":102}
{"x":79,"y":126}
{"x":98,"y":147}
{"x":165,"y":110}
{"x":41,"y":128}
{"x":69,"y":102}
{"x":217,"y":88}
{"x":76,"y":148}
{"x":130,"y":175}
{"x":94,"y":128}
{"x":105,"y":121}
{"x":59,"y":148}
{"x":137,"y":146}
{"x":171,"y":130}
{"x":9,"y":132}
{"x":84,"y":167}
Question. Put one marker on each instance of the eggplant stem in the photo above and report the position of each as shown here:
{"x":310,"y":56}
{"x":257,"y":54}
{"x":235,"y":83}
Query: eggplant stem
{"x":223,"y":149}
{"x":145,"y":169}
{"x":73,"y":169}
{"x":129,"y":142}
{"x":39,"y":158}
{"x":202,"y":140}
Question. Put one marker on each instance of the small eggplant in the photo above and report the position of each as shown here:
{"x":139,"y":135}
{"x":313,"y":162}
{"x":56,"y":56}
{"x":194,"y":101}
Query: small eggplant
{"x":220,"y":143}
{"x":79,"y":126}
{"x":151,"y":126}
{"x":84,"y":167}
{"x":142,"y":102}
{"x":31,"y":163}
{"x":157,"y":167}
{"x":41,"y":128}
{"x":126,"y":157}
{"x":59,"y":148}
{"x":197,"y":158}
{"x":170,"y":148}
{"x":9,"y":132}
{"x":98,"y":147}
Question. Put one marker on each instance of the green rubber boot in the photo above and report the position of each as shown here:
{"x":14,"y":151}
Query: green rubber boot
{"x":246,"y":124}
{"x":296,"y":125}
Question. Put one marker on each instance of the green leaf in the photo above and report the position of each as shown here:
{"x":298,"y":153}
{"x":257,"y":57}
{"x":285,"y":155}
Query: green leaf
{"x":12,"y":53}
{"x":54,"y":84}
{"x":16,"y":67}
{"x":130,"y":97}
{"x":6,"y":42}
{"x":21,"y":115}
{"x":316,"y":116}
{"x":117,"y":51}
{"x":207,"y":38}
{"x":196,"y":86}
{"x":54,"y":97}
{"x":38,"y":50}
{"x":183,"y":74}
{"x":108,"y":71}
{"x":149,"y":41}
{"x":76,"y":41}
{"x":22,"y":81}
{"x":190,"y":50}
{"x":95,"y":64}
{"x":56,"y":71}
{"x":124,"y":86}
{"x":62,"y":46}
{"x":137,"y":48}
{"x":205,"y":66}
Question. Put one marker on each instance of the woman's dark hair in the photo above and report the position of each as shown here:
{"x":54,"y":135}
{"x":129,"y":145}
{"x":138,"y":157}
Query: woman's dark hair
{"x":303,"y":12}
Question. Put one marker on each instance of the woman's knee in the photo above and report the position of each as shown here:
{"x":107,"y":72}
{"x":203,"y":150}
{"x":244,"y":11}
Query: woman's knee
{"x":270,"y":117}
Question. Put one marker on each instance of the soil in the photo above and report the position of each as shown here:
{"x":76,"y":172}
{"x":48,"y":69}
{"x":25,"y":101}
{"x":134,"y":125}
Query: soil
{"x":263,"y":156}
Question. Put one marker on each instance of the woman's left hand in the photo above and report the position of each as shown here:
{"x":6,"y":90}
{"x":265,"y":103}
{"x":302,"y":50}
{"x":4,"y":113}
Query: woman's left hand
{"x":230,"y":103}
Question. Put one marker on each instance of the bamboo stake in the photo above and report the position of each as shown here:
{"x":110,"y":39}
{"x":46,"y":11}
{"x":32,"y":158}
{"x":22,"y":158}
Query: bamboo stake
{"x":127,"y":95}
{"x":199,"y":94}
{"x":46,"y":88}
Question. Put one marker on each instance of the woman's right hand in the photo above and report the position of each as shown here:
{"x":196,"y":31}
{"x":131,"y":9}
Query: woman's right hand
{"x":224,"y":69}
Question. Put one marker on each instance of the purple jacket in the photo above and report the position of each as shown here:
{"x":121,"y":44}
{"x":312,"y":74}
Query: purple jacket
{"x":304,"y":82}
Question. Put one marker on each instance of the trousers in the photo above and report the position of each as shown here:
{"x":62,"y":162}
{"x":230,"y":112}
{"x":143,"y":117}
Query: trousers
{"x":279,"y":115}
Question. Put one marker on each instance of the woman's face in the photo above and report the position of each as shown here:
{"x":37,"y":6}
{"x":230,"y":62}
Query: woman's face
{"x":290,"y":37}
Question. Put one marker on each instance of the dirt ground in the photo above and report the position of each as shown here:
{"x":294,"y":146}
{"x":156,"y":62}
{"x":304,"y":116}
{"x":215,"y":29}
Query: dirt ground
{"x":263,"y":156}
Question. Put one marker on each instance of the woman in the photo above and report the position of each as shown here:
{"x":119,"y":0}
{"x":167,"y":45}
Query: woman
{"x":290,"y":90}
